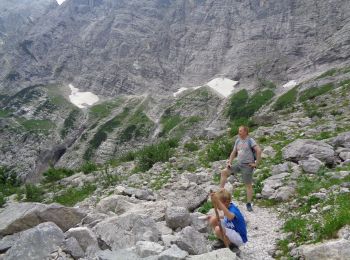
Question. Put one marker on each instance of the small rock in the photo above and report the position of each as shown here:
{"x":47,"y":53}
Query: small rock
{"x":221,"y":254}
{"x":191,"y":241}
{"x":72,"y":247}
{"x":147,"y":248}
{"x":176,"y":217}
{"x":313,"y":211}
{"x":173,"y":253}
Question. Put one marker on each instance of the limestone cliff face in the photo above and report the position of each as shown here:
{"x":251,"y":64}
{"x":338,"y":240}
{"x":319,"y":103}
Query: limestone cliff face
{"x":133,"y":46}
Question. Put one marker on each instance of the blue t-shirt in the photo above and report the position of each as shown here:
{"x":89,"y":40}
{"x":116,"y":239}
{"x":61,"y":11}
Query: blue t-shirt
{"x":237,"y":223}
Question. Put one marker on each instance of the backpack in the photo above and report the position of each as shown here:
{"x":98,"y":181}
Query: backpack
{"x":250,"y":145}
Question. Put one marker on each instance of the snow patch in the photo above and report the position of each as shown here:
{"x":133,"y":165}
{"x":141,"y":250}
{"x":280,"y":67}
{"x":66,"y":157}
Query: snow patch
{"x":290,"y":84}
{"x":180,"y":90}
{"x":223,"y":86}
{"x":60,"y":1}
{"x":82,"y":99}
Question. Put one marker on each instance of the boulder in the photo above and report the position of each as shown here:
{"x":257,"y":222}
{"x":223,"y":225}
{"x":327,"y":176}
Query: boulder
{"x":283,"y":193}
{"x":221,"y":254}
{"x":131,"y":227}
{"x":334,"y":249}
{"x":197,"y":177}
{"x":275,"y":187}
{"x":268,"y":152}
{"x":117,"y":204}
{"x":21,"y":216}
{"x":163,"y":228}
{"x":311,"y":165}
{"x":191,"y":198}
{"x":72,"y":247}
{"x":85,"y":237}
{"x":342,"y":140}
{"x":36,"y":243}
{"x":168,"y":240}
{"x":177,"y":217}
{"x":173,"y":253}
{"x":191,"y":241}
{"x":123,"y":254}
{"x":147,"y":248}
{"x":301,"y":149}
{"x":199,"y":224}
{"x":344,"y":156}
{"x":139,"y":193}
{"x":7,"y":242}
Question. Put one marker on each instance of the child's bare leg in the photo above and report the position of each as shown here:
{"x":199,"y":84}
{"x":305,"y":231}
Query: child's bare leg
{"x":213,"y":221}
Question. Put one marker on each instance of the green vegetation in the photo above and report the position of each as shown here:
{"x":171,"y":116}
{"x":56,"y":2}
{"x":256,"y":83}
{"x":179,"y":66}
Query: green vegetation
{"x":204,"y":209}
{"x":88,"y":167}
{"x":191,"y":146}
{"x":69,"y":122}
{"x":169,"y":122}
{"x":159,"y":152}
{"x":71,"y":196}
{"x":161,"y":180}
{"x":237,"y":104}
{"x":312,"y":110}
{"x":4,"y":113}
{"x":139,"y":125}
{"x":33,"y":125}
{"x":34,"y":193}
{"x":328,"y":73}
{"x":52,"y":174}
{"x":219,"y":149}
{"x":2,"y":200}
{"x":311,"y":93}
{"x":286,"y":100}
{"x":9,"y":184}
{"x":264,"y":83}
{"x":103,"y":110}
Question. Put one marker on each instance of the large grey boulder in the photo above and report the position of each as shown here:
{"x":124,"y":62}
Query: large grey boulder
{"x":334,"y":249}
{"x":191,"y":197}
{"x":191,"y":241}
{"x":221,"y":254}
{"x":8,"y":241}
{"x":177,"y":217}
{"x":278,"y":187}
{"x":131,"y":227}
{"x":117,"y":204}
{"x":139,"y":193}
{"x":85,"y":237}
{"x":21,"y":216}
{"x":173,"y":253}
{"x":148,"y":248}
{"x":311,"y":165}
{"x":36,"y":243}
{"x":199,"y":224}
{"x":342,"y":140}
{"x":71,"y":246}
{"x":301,"y":149}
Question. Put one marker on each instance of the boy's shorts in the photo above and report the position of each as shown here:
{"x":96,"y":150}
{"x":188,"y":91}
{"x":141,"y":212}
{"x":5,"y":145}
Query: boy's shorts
{"x":232,"y":235}
{"x":245,"y":170}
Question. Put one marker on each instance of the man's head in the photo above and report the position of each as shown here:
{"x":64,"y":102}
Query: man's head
{"x":224,"y":196}
{"x":243,"y":131}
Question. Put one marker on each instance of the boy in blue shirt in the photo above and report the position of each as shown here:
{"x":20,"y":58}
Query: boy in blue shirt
{"x":233,"y":223}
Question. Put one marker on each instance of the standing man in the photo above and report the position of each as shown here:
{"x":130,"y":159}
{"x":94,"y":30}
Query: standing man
{"x":248,"y":155}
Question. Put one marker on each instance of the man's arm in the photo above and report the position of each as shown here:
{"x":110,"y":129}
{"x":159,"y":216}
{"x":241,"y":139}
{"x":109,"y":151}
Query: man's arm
{"x":258,"y":156}
{"x":222,"y":207}
{"x":233,"y":155}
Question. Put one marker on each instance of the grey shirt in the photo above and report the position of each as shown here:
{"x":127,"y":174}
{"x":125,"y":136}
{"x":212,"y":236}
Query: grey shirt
{"x":244,"y":147}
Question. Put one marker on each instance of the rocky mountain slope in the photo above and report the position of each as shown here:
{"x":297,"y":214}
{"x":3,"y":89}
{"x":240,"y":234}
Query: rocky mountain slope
{"x":134,"y":47}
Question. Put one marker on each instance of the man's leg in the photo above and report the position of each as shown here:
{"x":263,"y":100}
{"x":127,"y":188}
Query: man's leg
{"x":224,"y":175}
{"x":247,"y":175}
{"x":249,"y":188}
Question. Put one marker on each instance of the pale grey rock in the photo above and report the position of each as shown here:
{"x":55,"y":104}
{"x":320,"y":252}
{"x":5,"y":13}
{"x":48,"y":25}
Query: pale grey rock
{"x":345,"y":156}
{"x":8,"y":241}
{"x":173,"y":253}
{"x":333,"y":249}
{"x":311,"y":165}
{"x":85,"y":237}
{"x":21,"y":216}
{"x":168,"y":240}
{"x":301,"y":149}
{"x":177,"y":217}
{"x":221,"y":254}
{"x":147,"y":248}
{"x":72,"y":247}
{"x":163,"y":228}
{"x":268,"y":152}
{"x":342,"y":140}
{"x":199,"y":224}
{"x":131,"y":227}
{"x":36,"y":243}
{"x":280,"y":168}
{"x":283,"y":193}
{"x":139,"y":193}
{"x":117,"y":204}
{"x":117,"y":255}
{"x":191,"y":241}
{"x":191,"y":198}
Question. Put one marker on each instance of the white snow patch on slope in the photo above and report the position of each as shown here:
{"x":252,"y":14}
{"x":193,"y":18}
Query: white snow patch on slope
{"x":223,"y":86}
{"x":180,"y":90}
{"x":60,"y":1}
{"x":82,"y":99}
{"x":290,"y":84}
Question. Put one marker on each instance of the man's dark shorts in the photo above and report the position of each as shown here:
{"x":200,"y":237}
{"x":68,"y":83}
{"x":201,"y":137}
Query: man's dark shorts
{"x":245,"y":170}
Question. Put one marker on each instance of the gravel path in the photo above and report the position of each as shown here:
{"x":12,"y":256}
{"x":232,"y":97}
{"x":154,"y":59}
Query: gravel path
{"x":263,"y":230}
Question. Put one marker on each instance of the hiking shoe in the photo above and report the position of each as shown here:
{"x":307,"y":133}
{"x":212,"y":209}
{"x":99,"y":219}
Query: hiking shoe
{"x":249,"y":207}
{"x":234,"y":248}
{"x":218,"y":244}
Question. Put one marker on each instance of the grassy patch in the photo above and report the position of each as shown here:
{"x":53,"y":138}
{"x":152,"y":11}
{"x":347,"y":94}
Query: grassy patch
{"x":88,"y":167}
{"x":219,"y":149}
{"x":104,"y":109}
{"x":328,"y":73}
{"x":286,"y":100}
{"x":4,"y":113}
{"x":72,"y":196}
{"x":312,"y":110}
{"x":34,"y":193}
{"x":159,"y":152}
{"x":33,"y":125}
{"x":161,"y":180}
{"x":311,"y":93}
{"x":52,"y":174}
{"x":191,"y":146}
{"x":9,"y":184}
{"x":204,"y":209}
{"x":139,"y":125}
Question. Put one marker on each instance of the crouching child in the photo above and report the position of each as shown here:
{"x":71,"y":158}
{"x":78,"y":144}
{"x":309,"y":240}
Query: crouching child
{"x":233,"y":223}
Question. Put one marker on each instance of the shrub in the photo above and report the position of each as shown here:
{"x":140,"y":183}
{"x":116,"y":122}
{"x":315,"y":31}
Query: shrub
{"x":2,"y":200}
{"x":169,"y":122}
{"x":220,"y":149}
{"x":328,"y":73}
{"x":159,"y":152}
{"x":72,"y":196}
{"x":34,"y":193}
{"x":312,"y":110}
{"x":286,"y":100}
{"x":204,"y":209}
{"x":88,"y":167}
{"x":9,"y":184}
{"x":52,"y":174}
{"x":311,"y":93}
{"x":191,"y":146}
{"x":236,"y":103}
{"x":69,"y":122}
